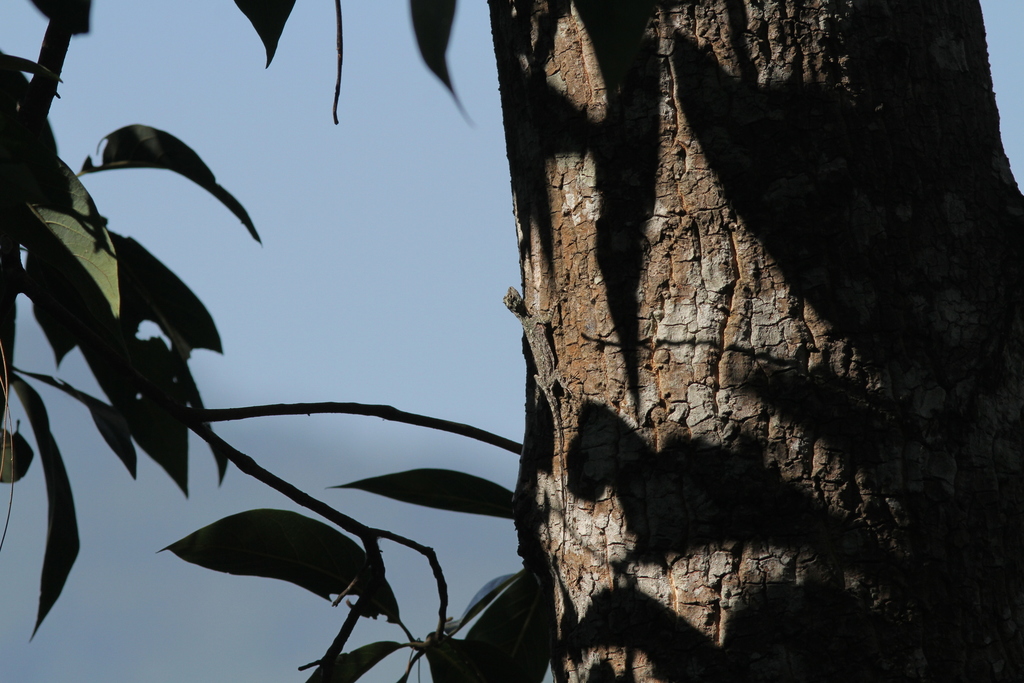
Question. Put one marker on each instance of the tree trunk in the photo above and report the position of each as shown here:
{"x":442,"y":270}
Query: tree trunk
{"x":779,"y":270}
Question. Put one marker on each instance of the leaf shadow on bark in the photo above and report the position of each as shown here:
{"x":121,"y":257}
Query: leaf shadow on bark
{"x":690,"y":496}
{"x":806,"y":169}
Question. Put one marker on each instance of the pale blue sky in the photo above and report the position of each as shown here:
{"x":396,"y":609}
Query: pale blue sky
{"x":388,"y":244}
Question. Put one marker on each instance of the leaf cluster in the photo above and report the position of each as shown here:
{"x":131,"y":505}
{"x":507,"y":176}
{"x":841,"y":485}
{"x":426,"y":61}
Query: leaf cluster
{"x":93,"y":288}
{"x":54,"y":240}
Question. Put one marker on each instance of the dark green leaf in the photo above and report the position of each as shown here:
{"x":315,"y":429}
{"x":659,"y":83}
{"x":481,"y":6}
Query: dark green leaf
{"x":161,"y":436}
{"x":150,"y":291}
{"x":11,"y":63}
{"x":284,"y":545}
{"x":483,"y":597}
{"x":61,"y":341}
{"x":139,"y":146}
{"x":162,"y":298}
{"x":12,"y":89}
{"x":28,"y":168}
{"x":467,"y":661}
{"x":17,"y":456}
{"x":93,"y":260}
{"x":56,"y":285}
{"x":268,"y":17}
{"x":110,"y":423}
{"x":67,"y":232}
{"x":351,"y":666}
{"x":71,"y":15}
{"x":516,"y":623}
{"x":616,"y":29}
{"x":443,"y":489}
{"x":432,"y":22}
{"x":82,"y":231}
{"x":62,"y":531}
{"x":164,"y":438}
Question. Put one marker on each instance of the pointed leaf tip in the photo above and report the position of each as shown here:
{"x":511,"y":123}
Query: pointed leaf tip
{"x":442,"y":489}
{"x":139,"y":146}
{"x":268,"y":17}
{"x":17,"y":456}
{"x":62,"y":533}
{"x":12,"y":63}
{"x":432,"y":23}
{"x":284,"y":545}
{"x":616,"y":30}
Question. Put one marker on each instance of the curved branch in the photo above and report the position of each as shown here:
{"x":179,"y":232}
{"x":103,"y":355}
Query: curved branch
{"x":382,"y":411}
{"x":341,"y":45}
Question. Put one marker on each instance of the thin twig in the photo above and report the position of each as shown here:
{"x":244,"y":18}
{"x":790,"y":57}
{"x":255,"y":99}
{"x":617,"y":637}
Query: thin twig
{"x":376,"y":564}
{"x":381,"y":411}
{"x":350,"y":587}
{"x":341,"y":44}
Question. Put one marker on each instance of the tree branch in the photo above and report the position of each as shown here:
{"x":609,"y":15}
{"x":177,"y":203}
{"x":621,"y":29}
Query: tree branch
{"x":376,"y":566}
{"x":35,"y":107}
{"x":381,"y":411}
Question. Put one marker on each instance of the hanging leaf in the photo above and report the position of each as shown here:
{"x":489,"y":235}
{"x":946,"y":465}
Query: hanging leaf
{"x":139,"y":146}
{"x":350,"y":666}
{"x":62,"y":227}
{"x":62,"y":530}
{"x":110,"y":423}
{"x":442,"y":489}
{"x":162,"y":437}
{"x":68,"y":233}
{"x":17,"y":456}
{"x":150,"y":291}
{"x":432,"y":23}
{"x":280,"y":544}
{"x":516,"y":623}
{"x":52,"y":280}
{"x":94,"y":261}
{"x":616,"y":30}
{"x":268,"y":17}
{"x":482,"y":599}
{"x":71,"y":15}
{"x":466,"y":661}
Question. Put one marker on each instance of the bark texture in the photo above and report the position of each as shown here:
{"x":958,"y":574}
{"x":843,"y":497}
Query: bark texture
{"x":782,"y":270}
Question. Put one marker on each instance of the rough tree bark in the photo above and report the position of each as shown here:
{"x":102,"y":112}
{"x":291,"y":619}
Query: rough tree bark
{"x":780,"y":272}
